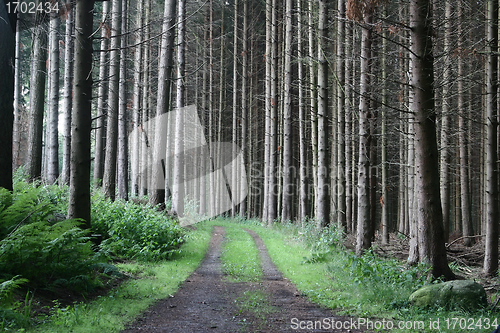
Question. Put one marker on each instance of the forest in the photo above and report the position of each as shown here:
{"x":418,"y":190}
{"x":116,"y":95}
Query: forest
{"x":379,"y":118}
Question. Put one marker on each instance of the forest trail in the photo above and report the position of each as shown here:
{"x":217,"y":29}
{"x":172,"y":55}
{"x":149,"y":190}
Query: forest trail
{"x":207,"y":301}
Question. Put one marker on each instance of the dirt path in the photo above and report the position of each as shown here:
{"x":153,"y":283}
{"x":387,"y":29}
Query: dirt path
{"x":206,"y":302}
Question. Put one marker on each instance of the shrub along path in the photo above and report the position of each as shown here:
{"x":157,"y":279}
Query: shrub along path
{"x":208,"y":302}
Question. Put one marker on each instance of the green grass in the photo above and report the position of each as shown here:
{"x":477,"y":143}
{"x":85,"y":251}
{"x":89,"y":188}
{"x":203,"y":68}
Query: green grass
{"x":153,"y":281}
{"x":240,"y":256}
{"x":366,"y":287}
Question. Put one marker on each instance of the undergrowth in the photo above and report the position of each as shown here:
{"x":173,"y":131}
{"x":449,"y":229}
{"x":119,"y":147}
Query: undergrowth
{"x":40,"y":249}
{"x":367,"y":286}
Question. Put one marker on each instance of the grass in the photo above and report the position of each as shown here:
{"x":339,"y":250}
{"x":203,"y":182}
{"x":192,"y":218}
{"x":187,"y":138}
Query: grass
{"x":153,"y":281}
{"x":240,"y":256}
{"x":364,"y":287}
{"x":368,"y":287}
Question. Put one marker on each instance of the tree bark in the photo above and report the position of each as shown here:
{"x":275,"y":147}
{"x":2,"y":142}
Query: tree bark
{"x":122,"y":167}
{"x":109,"y":177}
{"x":430,"y":216}
{"x":341,"y":114}
{"x":7,"y":54}
{"x":102,"y":94}
{"x":303,"y":199}
{"x":445,"y":157}
{"x":178,"y":187}
{"x":323,"y":212}
{"x":37,"y":102}
{"x":53,"y":103}
{"x":157,"y":194}
{"x":288,"y":186}
{"x":491,"y":246}
{"x":467,"y":229}
{"x":79,"y":190}
{"x":69,"y":51}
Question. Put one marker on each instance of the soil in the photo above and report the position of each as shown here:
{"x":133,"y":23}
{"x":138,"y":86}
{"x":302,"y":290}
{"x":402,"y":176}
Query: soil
{"x":208,"y":302}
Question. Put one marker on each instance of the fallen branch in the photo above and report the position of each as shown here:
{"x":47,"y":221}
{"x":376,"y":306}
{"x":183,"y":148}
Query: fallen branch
{"x":460,"y":238}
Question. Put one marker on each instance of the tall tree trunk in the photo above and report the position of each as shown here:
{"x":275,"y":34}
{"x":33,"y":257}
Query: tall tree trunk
{"x":385,"y":181}
{"x":122,"y":172}
{"x":491,"y":246}
{"x":79,"y":190}
{"x":178,"y":186}
{"x":102,"y":94}
{"x":272,"y":205}
{"x":349,"y":72}
{"x":267,"y":103}
{"x":288,"y":186}
{"x":69,"y":50}
{"x":313,"y":90}
{"x":136,"y":106}
{"x":7,"y":54}
{"x":109,"y":178}
{"x":462,"y":139}
{"x":244,"y":102}
{"x":53,"y":104}
{"x":37,"y":102}
{"x":363,"y":231}
{"x":234,"y":172}
{"x":146,"y":113}
{"x":445,"y":156}
{"x":303,"y":200}
{"x":157,"y":194}
{"x":341,"y":172}
{"x":16,"y":135}
{"x":430,"y":216}
{"x":323,"y":213}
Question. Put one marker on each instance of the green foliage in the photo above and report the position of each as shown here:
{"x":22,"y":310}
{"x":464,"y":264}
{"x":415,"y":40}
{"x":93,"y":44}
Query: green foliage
{"x":49,"y":254}
{"x":9,"y":317}
{"x":135,"y":231}
{"x":369,"y":268}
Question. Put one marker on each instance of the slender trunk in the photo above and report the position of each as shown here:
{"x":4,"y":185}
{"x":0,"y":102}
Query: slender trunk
{"x":341,"y":114}
{"x":100,"y":133}
{"x":136,"y":106}
{"x":158,"y":188}
{"x":314,"y":103}
{"x":122,"y":172}
{"x":68,"y":95}
{"x":37,"y":101}
{"x":234,"y":172}
{"x":303,"y":200}
{"x":109,"y":178}
{"x":323,"y":212}
{"x":178,"y":186}
{"x":79,"y":190}
{"x":349,"y":72}
{"x":244,"y":102}
{"x":363,"y":231}
{"x":384,"y":201}
{"x":53,"y":104}
{"x":491,"y":246}
{"x":272,"y":205}
{"x":445,"y":156}
{"x":7,"y":54}
{"x":288,"y":186}
{"x":463,"y":142}
{"x":16,"y":135}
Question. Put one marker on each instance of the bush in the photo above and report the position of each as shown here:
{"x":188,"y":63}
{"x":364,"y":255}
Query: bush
{"x":134,"y":231}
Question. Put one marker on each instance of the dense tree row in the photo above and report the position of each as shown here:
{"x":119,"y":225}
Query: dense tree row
{"x":378,"y":116}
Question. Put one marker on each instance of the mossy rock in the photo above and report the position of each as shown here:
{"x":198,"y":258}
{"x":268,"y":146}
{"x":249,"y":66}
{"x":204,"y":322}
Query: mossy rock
{"x":457,"y":294}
